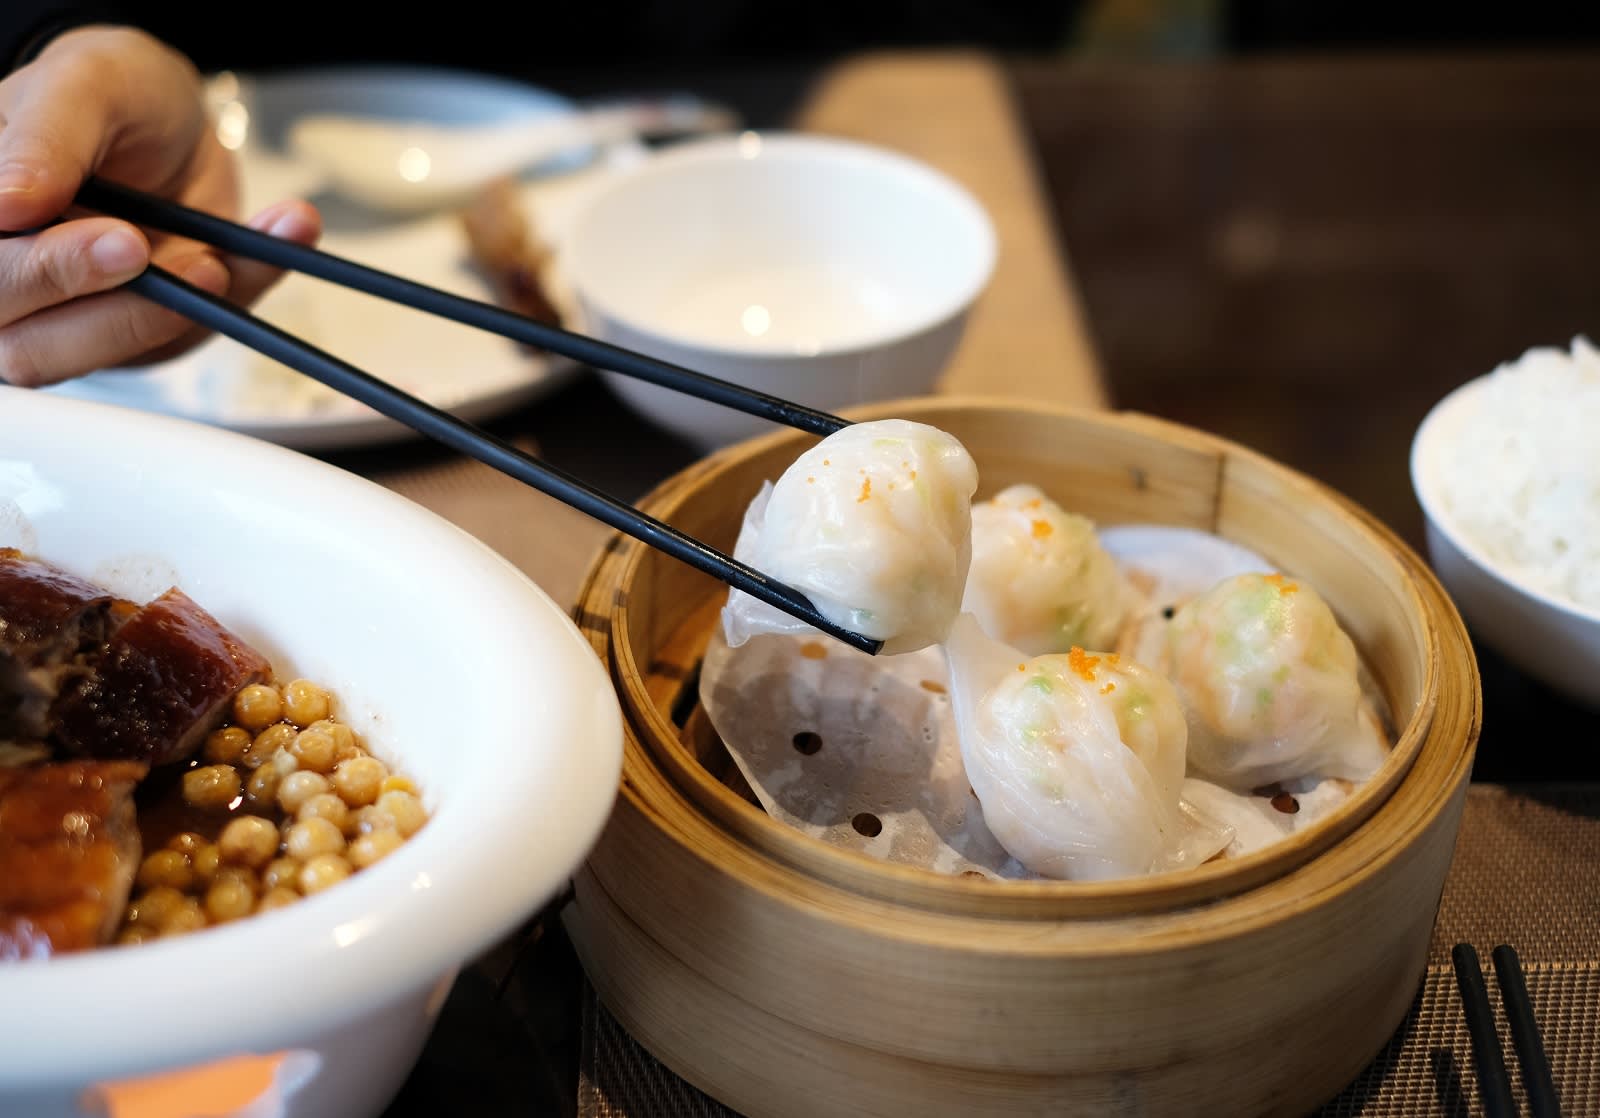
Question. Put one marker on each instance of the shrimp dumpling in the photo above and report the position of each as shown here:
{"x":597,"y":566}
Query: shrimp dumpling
{"x":1270,"y":685}
{"x":1077,"y":759}
{"x":1040,"y":581}
{"x":874,"y":525}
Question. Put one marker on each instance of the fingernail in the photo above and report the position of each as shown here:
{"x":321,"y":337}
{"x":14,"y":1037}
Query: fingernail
{"x":15,"y":178}
{"x":207,"y":272}
{"x":279,"y":221}
{"x":117,"y":251}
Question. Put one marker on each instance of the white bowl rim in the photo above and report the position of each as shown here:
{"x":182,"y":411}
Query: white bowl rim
{"x":792,"y":145}
{"x":1423,"y":467}
{"x":99,"y":1012}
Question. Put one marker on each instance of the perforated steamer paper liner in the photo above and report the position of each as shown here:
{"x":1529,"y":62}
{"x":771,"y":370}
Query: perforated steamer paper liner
{"x":862,"y":751}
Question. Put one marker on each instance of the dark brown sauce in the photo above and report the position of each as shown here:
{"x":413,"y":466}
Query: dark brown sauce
{"x":163,"y":812}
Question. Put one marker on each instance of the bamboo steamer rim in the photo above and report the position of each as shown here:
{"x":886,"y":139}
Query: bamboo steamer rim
{"x":655,"y":738}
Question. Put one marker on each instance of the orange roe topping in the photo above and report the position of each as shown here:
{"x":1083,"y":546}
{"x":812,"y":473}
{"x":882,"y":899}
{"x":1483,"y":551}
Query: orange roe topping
{"x":1033,"y":504}
{"x":825,"y":462}
{"x":913,"y":475}
{"x":1108,"y":688}
{"x":1041,"y":529}
{"x":811,"y":481}
{"x":1113,"y":659}
{"x":1082,"y":663}
{"x":1283,"y":587}
{"x":1022,"y":667}
{"x":866,"y":490}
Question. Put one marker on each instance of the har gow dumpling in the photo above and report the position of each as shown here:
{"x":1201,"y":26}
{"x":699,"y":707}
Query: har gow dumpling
{"x":874,"y":525}
{"x":1077,"y":758}
{"x":1040,"y":579}
{"x":1270,"y":685}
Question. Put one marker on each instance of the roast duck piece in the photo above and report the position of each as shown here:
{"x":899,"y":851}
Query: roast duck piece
{"x":94,"y":691}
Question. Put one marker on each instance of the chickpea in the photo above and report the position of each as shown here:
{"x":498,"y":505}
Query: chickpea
{"x":312,"y":838}
{"x":298,"y":787}
{"x":284,"y":761}
{"x":321,"y":872}
{"x":257,"y":706}
{"x":304,"y":702}
{"x":280,"y":873}
{"x":248,"y":841}
{"x":407,"y":811}
{"x":275,"y":737}
{"x":314,"y":747}
{"x":153,"y":909}
{"x":370,"y":848}
{"x":371,"y":819}
{"x":240,"y":875}
{"x":205,"y":861}
{"x":187,"y":917}
{"x":166,"y":867}
{"x":136,"y":933}
{"x":186,"y":843}
{"x":262,"y":791}
{"x":227,"y":745}
{"x":344,"y":738}
{"x":326,"y":805}
{"x":229,"y":898}
{"x":359,"y":780}
{"x":212,"y":787}
{"x":276,"y":897}
{"x":398,"y":783}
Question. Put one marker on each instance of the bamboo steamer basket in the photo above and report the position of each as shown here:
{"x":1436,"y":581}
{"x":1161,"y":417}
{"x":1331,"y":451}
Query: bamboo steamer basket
{"x":785,"y":976}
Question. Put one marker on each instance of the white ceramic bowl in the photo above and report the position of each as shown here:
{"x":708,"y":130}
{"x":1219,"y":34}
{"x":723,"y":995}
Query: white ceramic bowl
{"x":453,"y":664}
{"x":1552,"y":639}
{"x":818,"y":270}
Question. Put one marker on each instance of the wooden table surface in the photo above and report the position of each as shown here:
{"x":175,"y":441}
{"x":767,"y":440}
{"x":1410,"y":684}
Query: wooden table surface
{"x":1299,"y":256}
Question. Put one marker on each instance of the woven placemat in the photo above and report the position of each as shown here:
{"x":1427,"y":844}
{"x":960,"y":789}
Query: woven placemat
{"x":1526,"y":872}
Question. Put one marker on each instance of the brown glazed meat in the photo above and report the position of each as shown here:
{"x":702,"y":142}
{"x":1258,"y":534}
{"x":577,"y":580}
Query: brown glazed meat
{"x":50,"y":623}
{"x":164,"y":681}
{"x":69,"y":849}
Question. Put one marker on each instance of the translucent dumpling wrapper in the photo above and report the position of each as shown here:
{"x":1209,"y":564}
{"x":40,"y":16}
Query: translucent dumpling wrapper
{"x":1078,"y":760}
{"x":1270,"y":685}
{"x":1040,"y":580}
{"x":874,"y":525}
{"x":861,"y":752}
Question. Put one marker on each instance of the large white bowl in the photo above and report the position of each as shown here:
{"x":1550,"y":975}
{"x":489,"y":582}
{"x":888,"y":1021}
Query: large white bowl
{"x":818,"y":270}
{"x":1552,"y":639}
{"x":454,"y":665}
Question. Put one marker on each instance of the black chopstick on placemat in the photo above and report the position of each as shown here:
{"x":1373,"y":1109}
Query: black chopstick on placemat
{"x":159,"y":213}
{"x":166,"y":289}
{"x":1543,"y":1101}
{"x":1494,"y":1085}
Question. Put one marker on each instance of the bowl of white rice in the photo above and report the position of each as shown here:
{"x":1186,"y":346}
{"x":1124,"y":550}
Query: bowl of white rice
{"x":1507,"y":471}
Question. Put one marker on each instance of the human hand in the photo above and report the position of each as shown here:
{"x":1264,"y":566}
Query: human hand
{"x":117,"y":103}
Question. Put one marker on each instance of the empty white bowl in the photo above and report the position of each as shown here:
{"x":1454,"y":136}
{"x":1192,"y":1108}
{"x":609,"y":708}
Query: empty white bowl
{"x":454,"y":666}
{"x":819,"y":270}
{"x":1551,"y":638}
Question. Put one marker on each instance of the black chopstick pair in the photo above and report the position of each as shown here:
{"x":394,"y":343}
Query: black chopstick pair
{"x":1494,"y":1084}
{"x":167,"y":290}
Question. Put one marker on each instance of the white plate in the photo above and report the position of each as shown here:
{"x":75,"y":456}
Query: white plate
{"x":468,"y":372}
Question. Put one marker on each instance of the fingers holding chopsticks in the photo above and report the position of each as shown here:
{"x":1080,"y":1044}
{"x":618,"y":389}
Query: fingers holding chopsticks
{"x":110,"y":101}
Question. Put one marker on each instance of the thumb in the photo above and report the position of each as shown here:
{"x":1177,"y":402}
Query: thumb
{"x":55,"y":125}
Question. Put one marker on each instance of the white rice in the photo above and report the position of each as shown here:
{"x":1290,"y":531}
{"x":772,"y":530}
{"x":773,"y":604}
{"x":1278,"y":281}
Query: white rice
{"x":1520,"y":476}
